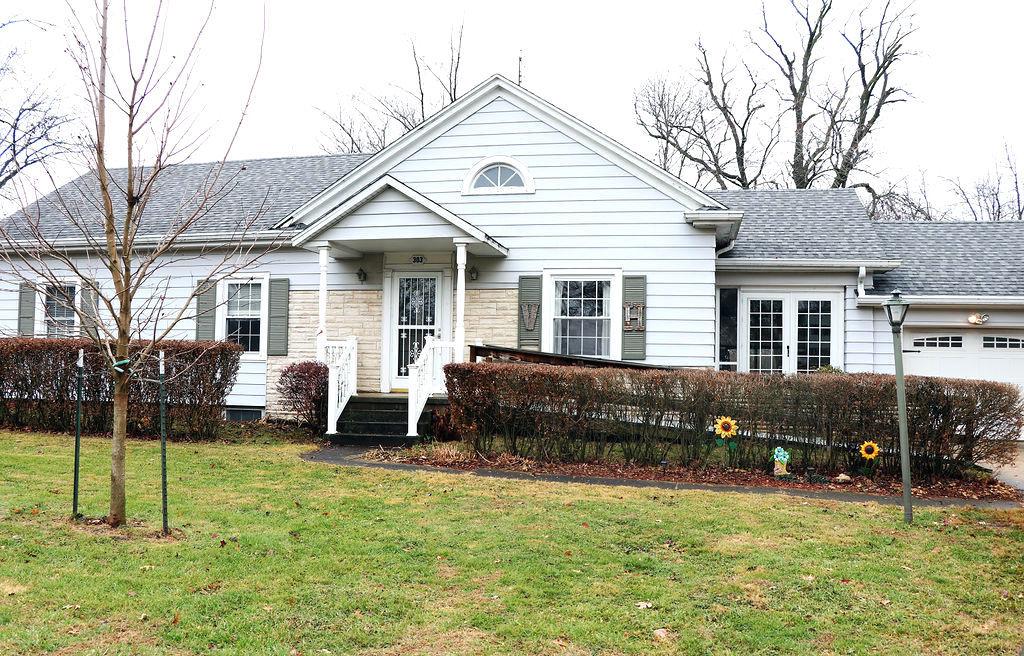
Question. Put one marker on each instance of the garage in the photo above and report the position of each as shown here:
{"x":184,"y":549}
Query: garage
{"x":978,"y":354}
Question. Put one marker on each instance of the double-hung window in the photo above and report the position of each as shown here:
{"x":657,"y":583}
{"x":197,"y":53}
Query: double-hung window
{"x":581,"y":312}
{"x":59,"y":310}
{"x":244,"y":312}
{"x":583,"y":317}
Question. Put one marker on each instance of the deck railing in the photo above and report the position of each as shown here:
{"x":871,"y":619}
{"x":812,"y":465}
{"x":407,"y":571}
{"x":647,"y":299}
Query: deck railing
{"x":340,"y":358}
{"x":426,"y":377}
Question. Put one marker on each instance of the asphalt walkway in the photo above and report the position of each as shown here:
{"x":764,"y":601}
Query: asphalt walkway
{"x":350,"y":456}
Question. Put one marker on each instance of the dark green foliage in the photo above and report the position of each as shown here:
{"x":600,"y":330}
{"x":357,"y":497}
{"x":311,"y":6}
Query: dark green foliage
{"x":580,"y":414}
{"x":37,"y":387}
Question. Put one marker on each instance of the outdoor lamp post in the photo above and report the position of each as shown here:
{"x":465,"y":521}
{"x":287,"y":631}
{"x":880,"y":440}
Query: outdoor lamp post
{"x":896,"y":308}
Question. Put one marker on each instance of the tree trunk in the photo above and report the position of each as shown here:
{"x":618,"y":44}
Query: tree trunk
{"x":117,"y":496}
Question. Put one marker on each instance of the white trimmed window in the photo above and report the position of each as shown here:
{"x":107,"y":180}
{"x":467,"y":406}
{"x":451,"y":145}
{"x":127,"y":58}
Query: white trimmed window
{"x":244,"y":316}
{"x":59,"y":310}
{"x":583,"y":313}
{"x":583,"y":317}
{"x":498,"y":175}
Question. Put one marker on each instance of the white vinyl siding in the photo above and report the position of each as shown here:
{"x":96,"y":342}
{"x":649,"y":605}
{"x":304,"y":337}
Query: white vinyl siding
{"x":584,"y":211}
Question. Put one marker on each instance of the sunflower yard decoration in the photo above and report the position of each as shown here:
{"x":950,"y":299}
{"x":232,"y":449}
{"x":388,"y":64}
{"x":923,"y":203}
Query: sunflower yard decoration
{"x":869,"y":450}
{"x":781,"y":460}
{"x":726,"y":429}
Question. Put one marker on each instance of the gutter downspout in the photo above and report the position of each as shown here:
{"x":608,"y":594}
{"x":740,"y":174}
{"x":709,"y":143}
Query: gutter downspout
{"x":725,"y":249}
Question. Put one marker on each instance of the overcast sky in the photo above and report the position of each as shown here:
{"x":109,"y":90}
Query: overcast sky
{"x":584,"y":57}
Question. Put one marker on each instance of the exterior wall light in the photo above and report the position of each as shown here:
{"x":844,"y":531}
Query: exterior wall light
{"x":473,"y":273}
{"x":977,"y":319}
{"x":361,"y":274}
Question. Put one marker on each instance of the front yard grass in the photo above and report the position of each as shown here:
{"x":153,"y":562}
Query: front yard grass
{"x":275,"y":555}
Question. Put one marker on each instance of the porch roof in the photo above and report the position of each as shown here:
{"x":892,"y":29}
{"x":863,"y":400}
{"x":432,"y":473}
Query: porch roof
{"x":428,"y":226}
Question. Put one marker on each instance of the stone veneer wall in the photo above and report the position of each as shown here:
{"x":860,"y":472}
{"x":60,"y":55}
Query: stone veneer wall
{"x":491,"y":317}
{"x":349,"y":313}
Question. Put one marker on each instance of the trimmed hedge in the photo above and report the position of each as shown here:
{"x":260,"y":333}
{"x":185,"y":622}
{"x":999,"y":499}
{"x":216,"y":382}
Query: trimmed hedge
{"x":303,"y":389}
{"x":38,"y":392}
{"x":582,"y":414}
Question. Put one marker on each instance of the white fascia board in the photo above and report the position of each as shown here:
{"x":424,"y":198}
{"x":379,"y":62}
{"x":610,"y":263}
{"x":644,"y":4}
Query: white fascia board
{"x":491,"y":89}
{"x":948,"y":300}
{"x":772,"y":264}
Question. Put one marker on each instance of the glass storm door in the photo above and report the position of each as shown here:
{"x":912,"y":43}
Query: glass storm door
{"x":416,"y":316}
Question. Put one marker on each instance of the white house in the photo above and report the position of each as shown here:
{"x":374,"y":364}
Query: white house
{"x":507,"y":221}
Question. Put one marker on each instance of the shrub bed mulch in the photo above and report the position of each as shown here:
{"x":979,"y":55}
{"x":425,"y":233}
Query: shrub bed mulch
{"x":970,"y":488}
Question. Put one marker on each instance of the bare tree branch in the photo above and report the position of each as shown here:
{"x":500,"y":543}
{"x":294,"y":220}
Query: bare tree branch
{"x":371,"y":121}
{"x":100,"y":230}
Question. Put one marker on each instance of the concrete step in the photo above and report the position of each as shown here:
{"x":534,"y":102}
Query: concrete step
{"x":371,"y":440}
{"x":380,"y":420}
{"x":380,"y":427}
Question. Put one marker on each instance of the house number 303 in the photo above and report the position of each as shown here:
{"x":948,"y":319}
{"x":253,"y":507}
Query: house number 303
{"x":418,"y":259}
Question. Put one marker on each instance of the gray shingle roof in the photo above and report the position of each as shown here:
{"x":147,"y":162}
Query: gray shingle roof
{"x":964,"y":258}
{"x":825,"y":224}
{"x":266,"y":188}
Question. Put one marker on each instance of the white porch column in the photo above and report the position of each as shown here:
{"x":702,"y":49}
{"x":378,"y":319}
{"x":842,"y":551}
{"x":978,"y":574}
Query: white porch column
{"x":321,"y":326}
{"x":460,"y":302}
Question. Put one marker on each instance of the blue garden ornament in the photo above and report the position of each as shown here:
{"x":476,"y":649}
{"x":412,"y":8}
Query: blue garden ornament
{"x":781,"y":460}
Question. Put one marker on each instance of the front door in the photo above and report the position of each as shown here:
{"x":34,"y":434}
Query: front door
{"x":415,"y":312}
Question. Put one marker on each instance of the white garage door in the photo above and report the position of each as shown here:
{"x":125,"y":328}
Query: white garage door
{"x":979,"y":354}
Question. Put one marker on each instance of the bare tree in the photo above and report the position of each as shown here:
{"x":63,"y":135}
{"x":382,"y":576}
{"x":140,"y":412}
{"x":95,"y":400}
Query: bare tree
{"x":797,"y":67}
{"x":828,"y":124}
{"x":997,"y":196}
{"x":369,"y":122}
{"x":30,"y":123}
{"x":713,"y":128}
{"x":905,"y":203}
{"x":877,"y":48}
{"x":105,"y":232}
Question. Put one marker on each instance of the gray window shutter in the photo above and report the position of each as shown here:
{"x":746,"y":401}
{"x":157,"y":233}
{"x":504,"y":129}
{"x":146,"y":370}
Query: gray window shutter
{"x":530,"y":312}
{"x":277,"y":315}
{"x":89,"y":306}
{"x":206,"y":310}
{"x":26,"y":311}
{"x":634,"y":317}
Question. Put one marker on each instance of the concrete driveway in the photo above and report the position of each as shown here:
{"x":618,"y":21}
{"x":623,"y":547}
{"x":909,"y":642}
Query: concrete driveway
{"x":1013,"y":473}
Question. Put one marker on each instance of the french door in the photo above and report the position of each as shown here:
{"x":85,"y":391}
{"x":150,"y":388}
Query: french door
{"x":416,"y":315}
{"x":790,"y":332}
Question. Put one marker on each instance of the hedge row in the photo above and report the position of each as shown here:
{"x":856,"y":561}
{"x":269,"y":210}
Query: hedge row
{"x":38,"y":388}
{"x":577,"y":414}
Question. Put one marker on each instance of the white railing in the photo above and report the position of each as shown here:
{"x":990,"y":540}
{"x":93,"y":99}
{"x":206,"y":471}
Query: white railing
{"x":426,"y":377}
{"x":340,"y":358}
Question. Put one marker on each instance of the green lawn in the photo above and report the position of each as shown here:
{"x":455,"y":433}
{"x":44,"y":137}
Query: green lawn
{"x":280,"y":556}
